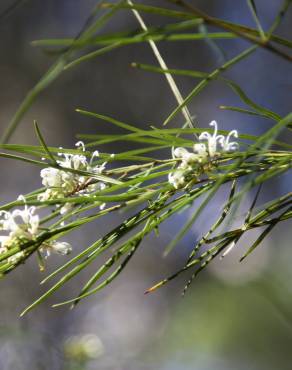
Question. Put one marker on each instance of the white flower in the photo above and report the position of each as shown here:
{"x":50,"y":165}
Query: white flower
{"x":76,"y":162}
{"x":187,"y":158}
{"x":21,"y":226}
{"x":95,"y":154}
{"x":176,"y":179}
{"x":20,"y":222}
{"x":62,"y":248}
{"x":80,"y":144}
{"x":212,"y":140}
{"x":53,"y":193}
{"x":29,"y":219}
{"x":7,"y":223}
{"x":60,"y":184}
{"x":51,"y":177}
{"x":180,"y":152}
{"x":202,"y":152}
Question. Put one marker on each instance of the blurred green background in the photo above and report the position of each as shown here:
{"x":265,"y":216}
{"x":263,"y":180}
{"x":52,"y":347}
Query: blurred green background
{"x":234,"y":316}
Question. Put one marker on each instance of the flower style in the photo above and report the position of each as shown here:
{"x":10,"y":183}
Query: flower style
{"x":228,"y":146}
{"x":212,"y":139}
{"x":60,"y":184}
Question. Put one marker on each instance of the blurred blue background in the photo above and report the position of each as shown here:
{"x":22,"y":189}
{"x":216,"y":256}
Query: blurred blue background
{"x":234,"y":316}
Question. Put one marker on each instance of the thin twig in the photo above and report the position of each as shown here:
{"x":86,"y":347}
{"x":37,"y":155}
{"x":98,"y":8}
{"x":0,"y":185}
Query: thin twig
{"x":216,"y":22}
{"x":163,"y":65}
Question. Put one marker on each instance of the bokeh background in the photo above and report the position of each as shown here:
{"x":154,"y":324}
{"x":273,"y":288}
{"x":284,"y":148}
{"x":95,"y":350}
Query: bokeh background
{"x":234,"y":316}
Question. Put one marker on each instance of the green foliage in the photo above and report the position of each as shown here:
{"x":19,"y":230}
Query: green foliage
{"x":141,"y":185}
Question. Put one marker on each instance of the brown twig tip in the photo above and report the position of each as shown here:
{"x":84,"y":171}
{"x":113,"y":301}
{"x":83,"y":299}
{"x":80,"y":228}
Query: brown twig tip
{"x":150,"y":290}
{"x":154,"y":287}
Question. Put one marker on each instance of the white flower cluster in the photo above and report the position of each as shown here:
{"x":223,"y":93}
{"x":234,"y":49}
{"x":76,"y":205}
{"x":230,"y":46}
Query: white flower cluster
{"x":202,"y":153}
{"x":61,"y":184}
{"x":21,"y":226}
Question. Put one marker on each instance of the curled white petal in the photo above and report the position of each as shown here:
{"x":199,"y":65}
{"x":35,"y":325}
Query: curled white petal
{"x":95,"y":154}
{"x":180,"y":152}
{"x":80,"y":144}
{"x":21,"y":197}
{"x":228,"y":146}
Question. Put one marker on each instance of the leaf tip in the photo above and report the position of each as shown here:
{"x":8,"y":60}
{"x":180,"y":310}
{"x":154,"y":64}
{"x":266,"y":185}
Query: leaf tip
{"x":24,"y":312}
{"x":154,"y":287}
